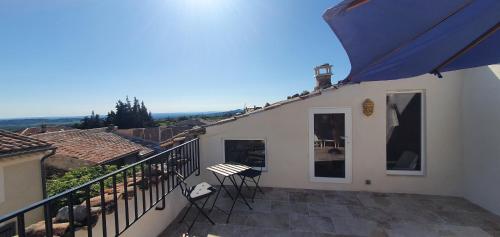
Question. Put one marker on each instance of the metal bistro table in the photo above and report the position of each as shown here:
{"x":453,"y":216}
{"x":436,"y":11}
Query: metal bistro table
{"x":229,"y":171}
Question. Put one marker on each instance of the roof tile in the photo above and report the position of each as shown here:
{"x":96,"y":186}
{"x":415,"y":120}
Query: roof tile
{"x":94,"y":145}
{"x":12,"y":143}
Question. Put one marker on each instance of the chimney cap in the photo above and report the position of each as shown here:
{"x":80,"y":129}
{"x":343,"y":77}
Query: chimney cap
{"x":323,"y":75}
{"x":326,"y":68}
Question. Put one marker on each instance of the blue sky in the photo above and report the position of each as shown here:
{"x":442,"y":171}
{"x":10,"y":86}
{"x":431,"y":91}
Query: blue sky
{"x":64,"y":57}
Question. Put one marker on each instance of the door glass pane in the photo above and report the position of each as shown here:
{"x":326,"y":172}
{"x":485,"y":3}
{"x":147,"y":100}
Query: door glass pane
{"x":404,"y":131}
{"x":329,"y":145}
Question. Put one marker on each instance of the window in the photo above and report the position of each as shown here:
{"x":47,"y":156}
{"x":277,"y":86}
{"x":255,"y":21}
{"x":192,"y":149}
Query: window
{"x":405,"y":133}
{"x":329,"y":146}
{"x":251,"y":152}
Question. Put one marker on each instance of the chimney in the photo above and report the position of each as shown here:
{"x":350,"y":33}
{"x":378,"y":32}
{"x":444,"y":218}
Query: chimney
{"x":323,"y":75}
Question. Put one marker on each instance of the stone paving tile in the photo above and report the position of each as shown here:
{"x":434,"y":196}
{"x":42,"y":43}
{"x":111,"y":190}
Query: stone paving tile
{"x":237,"y":217}
{"x":341,"y":198}
{"x":461,"y":231}
{"x":357,"y":226}
{"x":377,"y":215}
{"x":271,"y":220}
{"x":295,"y":212}
{"x":417,"y":216}
{"x":318,"y":224}
{"x":262,"y":232}
{"x":412,"y":230}
{"x":312,"y":234}
{"x":486,"y":221}
{"x":273,"y":194}
{"x":454,"y":205}
{"x":306,"y":197}
{"x":260,"y":205}
{"x":328,"y":210}
{"x":287,"y":207}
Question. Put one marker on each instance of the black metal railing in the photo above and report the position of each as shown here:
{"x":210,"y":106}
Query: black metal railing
{"x":142,"y":186}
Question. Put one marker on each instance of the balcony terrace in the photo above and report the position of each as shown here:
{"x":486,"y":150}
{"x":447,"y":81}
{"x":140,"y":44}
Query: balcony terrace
{"x":126,"y":209}
{"x":299,"y":212}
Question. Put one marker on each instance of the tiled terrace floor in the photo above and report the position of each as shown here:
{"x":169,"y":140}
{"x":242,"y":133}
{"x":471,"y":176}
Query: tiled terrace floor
{"x":295,"y":212}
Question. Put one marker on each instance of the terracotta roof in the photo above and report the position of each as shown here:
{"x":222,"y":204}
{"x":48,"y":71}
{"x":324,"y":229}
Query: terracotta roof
{"x":11,"y":143}
{"x":37,"y":130}
{"x":93,"y":145}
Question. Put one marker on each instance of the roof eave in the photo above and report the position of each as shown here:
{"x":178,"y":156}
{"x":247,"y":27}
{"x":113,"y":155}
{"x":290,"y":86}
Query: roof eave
{"x":28,"y":151}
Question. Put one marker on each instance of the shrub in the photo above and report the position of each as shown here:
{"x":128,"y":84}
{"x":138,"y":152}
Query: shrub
{"x":77,"y":177}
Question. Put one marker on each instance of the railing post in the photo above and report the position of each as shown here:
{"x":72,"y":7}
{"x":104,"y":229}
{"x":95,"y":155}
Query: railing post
{"x":48,"y":220}
{"x":103,"y":208}
{"x":134,"y":175}
{"x":143,"y":191}
{"x":198,"y":156}
{"x":89,"y":212}
{"x":115,"y":200}
{"x":20,"y":225}
{"x":125,"y":195}
{"x":71,"y":215}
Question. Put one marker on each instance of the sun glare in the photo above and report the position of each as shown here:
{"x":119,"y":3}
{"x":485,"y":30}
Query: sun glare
{"x":203,"y":5}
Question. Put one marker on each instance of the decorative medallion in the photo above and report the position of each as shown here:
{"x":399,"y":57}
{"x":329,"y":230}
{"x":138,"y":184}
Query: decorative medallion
{"x":368,"y":107}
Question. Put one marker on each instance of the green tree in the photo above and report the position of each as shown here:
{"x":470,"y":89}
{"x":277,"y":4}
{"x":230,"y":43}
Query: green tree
{"x":130,"y":115}
{"x":94,"y":121}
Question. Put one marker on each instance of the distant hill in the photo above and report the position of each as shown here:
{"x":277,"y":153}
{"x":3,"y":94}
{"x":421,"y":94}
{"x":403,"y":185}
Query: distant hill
{"x":16,"y":124}
{"x":21,"y":123}
{"x":159,"y":116}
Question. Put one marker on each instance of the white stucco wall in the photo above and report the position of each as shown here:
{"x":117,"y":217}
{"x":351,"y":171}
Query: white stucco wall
{"x":21,"y":184}
{"x":286,"y":131}
{"x":481,"y":136}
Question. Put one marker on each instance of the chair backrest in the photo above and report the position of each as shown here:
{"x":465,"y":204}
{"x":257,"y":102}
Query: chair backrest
{"x":185,"y":190}
{"x":252,"y":162}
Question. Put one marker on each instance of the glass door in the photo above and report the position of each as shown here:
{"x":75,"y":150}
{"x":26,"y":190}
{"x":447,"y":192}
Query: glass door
{"x":330,"y":144}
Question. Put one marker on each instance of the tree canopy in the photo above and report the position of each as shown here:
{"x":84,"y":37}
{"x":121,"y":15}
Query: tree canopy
{"x":130,"y":115}
{"x":94,"y":121}
{"x":125,"y":115}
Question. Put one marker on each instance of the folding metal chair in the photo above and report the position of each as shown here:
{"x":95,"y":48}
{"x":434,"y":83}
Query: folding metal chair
{"x":253,"y":175}
{"x":193,"y":194}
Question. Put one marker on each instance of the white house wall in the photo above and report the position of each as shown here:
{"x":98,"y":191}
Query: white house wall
{"x":286,"y":132}
{"x":22,"y":184}
{"x":481,"y":136}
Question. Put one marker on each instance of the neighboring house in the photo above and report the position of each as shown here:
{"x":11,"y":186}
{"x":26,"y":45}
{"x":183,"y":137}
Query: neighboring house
{"x":162,"y":133}
{"x":44,"y":129}
{"x":77,"y":148}
{"x":424,"y":135}
{"x":20,"y":174}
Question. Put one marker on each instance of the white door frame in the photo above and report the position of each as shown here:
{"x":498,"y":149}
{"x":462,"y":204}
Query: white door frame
{"x":348,"y":143}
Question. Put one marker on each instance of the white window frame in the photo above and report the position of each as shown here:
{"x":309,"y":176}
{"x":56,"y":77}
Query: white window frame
{"x":423,"y":155}
{"x":265,"y":168}
{"x":348,"y":141}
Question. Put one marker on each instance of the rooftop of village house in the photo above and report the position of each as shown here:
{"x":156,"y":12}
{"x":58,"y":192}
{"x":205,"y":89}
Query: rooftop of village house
{"x":44,"y":129}
{"x":12,"y":143}
{"x":97,"y":145}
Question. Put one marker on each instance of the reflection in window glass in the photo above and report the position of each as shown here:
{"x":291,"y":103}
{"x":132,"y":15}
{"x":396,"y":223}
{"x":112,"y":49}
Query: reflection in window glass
{"x":248,"y":152}
{"x":404,"y":131}
{"x":329,"y":145}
